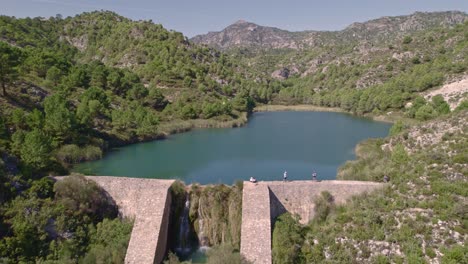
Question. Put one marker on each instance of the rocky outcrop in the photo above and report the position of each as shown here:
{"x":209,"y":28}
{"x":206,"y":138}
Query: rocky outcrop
{"x":281,"y":74}
{"x":246,"y":34}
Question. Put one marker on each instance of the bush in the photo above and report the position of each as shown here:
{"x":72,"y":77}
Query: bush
{"x":440,"y":105}
{"x":225,"y":253}
{"x":463,"y":106}
{"x":397,"y":128}
{"x":324,"y":204}
{"x":287,"y":240}
{"x":399,"y":155}
{"x":456,"y":255}
{"x":425,"y":112}
{"x":74,"y":154}
{"x":108,"y":242}
{"x":80,"y":195}
{"x":407,"y":40}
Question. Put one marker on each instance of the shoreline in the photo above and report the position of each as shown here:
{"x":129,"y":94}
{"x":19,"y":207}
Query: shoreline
{"x":391,"y":117}
{"x":297,"y":108}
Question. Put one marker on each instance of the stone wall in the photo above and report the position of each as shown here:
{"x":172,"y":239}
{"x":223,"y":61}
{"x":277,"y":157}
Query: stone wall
{"x":256,"y":224}
{"x":264,"y":201}
{"x":297,"y":197}
{"x":148,"y":202}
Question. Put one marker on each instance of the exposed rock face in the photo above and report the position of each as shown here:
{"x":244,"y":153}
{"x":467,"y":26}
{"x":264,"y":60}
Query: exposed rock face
{"x":281,"y":74}
{"x":248,"y":35}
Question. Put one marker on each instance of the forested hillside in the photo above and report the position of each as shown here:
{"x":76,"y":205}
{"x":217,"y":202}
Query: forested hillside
{"x":365,"y":78}
{"x":71,"y":89}
{"x":367,"y":68}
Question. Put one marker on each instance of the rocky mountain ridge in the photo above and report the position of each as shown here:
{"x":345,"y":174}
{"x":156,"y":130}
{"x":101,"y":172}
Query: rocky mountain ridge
{"x":243,"y":34}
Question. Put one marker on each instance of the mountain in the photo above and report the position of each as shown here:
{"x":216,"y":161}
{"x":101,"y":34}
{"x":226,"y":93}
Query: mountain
{"x":249,"y":35}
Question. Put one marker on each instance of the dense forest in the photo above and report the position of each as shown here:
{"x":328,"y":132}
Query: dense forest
{"x":72,"y":88}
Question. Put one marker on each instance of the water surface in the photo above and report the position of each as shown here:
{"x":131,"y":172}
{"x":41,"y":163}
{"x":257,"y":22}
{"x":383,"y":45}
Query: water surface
{"x":271,"y":142}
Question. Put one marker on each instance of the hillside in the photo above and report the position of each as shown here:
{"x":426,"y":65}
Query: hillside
{"x":365,"y":75}
{"x":69,"y":93}
{"x":243,"y":34}
{"x":149,"y":69}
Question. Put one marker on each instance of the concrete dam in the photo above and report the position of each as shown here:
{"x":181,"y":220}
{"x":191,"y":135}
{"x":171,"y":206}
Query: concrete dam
{"x":148,"y":202}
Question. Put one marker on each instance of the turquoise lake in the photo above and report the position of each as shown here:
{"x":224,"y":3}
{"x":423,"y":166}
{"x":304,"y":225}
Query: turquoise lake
{"x":271,"y":143}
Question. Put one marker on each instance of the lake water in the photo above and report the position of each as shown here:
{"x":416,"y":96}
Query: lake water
{"x":271,"y":143}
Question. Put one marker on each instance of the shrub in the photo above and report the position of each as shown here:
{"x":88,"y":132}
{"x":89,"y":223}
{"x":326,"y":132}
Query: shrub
{"x":397,"y":128}
{"x":224,"y":253}
{"x":425,"y":112}
{"x":323,"y":206}
{"x":399,"y":155}
{"x":440,"y":105}
{"x":287,"y":240}
{"x":108,"y":242}
{"x":407,"y":40}
{"x":74,"y":154}
{"x":80,"y":195}
{"x":457,"y":254}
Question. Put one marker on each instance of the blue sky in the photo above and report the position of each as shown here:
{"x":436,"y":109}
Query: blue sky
{"x":193,"y":17}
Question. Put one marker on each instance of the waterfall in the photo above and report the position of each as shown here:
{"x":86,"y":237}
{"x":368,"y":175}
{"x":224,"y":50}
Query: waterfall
{"x":202,"y":239}
{"x":184,"y":246}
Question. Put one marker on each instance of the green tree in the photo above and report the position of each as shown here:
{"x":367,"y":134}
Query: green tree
{"x":188,"y":112}
{"x":58,"y":118}
{"x":35,"y":150}
{"x":440,"y":106}
{"x":425,"y":112}
{"x":53,"y":75}
{"x":35,"y":119}
{"x":9,"y":60}
{"x":287,"y":240}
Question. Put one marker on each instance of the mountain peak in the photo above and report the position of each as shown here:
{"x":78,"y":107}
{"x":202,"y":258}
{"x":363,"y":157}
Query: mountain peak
{"x":247,"y":34}
{"x":240,"y":21}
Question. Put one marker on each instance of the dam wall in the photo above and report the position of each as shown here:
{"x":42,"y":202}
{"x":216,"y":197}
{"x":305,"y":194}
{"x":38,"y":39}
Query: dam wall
{"x":148,"y":202}
{"x":297,"y":197}
{"x":262,"y":202}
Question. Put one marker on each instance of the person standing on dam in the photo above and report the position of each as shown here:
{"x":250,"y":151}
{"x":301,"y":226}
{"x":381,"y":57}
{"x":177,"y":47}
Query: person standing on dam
{"x":314,"y":176}
{"x":285,"y":176}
